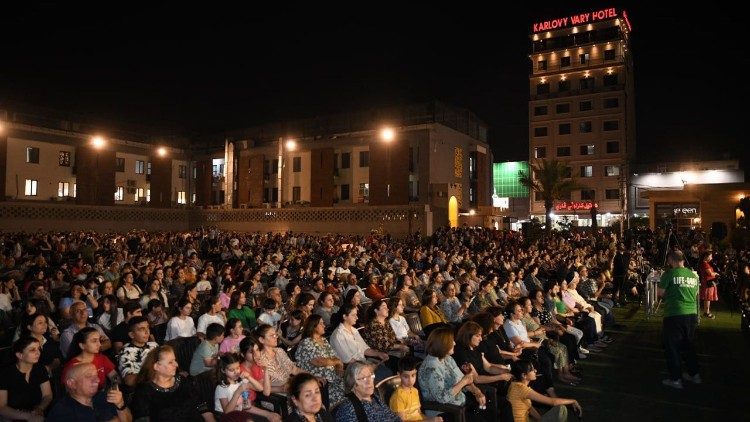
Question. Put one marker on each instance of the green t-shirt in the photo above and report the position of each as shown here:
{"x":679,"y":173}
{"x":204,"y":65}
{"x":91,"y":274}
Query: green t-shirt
{"x":245,"y":315}
{"x":681,"y":290}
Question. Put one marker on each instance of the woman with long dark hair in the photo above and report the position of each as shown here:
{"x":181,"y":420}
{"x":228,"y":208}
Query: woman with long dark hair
{"x":25,"y":390}
{"x":520,"y":396}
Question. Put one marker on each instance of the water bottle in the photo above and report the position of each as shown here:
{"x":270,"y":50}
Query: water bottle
{"x":245,"y":400}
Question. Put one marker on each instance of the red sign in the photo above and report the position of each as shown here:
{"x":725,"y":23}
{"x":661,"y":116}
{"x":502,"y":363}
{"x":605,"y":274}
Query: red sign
{"x":575,"y":205}
{"x":582,"y":18}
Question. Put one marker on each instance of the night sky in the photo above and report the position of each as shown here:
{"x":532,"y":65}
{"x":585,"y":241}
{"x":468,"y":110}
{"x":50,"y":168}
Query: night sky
{"x":195,"y":71}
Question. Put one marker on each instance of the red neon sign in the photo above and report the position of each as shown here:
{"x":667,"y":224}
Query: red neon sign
{"x":575,"y":205}
{"x":581,"y":18}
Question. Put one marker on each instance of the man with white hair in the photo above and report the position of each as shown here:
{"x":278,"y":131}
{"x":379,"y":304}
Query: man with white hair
{"x":85,"y":402}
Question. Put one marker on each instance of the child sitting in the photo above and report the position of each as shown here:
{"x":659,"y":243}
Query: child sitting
{"x":405,"y":400}
{"x":269,"y":315}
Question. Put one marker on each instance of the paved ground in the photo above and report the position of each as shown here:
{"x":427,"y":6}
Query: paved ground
{"x":623,"y":383}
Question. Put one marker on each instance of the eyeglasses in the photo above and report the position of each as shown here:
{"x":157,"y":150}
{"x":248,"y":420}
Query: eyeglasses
{"x":370,"y":377}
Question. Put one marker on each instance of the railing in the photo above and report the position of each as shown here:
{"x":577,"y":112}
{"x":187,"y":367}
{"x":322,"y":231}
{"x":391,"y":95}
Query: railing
{"x":594,"y":90}
{"x":557,"y":66}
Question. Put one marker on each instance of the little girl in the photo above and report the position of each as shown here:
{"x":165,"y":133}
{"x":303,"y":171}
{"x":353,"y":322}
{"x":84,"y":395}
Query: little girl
{"x":236,"y":389}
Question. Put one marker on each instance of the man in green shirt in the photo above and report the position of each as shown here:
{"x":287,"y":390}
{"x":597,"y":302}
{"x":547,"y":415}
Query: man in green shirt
{"x":679,"y":289}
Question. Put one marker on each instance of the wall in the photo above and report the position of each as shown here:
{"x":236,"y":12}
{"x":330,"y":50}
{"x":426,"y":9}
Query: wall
{"x":48,"y":172}
{"x":35,"y":216}
{"x":121,"y":178}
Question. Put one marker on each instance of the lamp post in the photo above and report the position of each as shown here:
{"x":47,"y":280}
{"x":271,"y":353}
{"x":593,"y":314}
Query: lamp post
{"x":387,"y":135}
{"x":291,"y":145}
{"x":98,"y":143}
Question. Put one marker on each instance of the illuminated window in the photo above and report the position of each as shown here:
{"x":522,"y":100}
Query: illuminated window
{"x":140,"y":167}
{"x":30,"y":189}
{"x":120,"y":193}
{"x":611,"y":171}
{"x":587,"y":171}
{"x":63,"y":189}
{"x":540,"y":152}
{"x":583,"y":58}
{"x":182,"y":197}
{"x":587,"y":150}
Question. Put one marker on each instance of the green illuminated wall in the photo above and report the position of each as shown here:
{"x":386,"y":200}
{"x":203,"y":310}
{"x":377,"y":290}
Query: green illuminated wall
{"x":505,"y":179}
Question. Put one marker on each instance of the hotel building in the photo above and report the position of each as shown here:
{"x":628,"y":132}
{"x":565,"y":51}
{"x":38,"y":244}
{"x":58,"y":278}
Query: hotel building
{"x":582,"y":110}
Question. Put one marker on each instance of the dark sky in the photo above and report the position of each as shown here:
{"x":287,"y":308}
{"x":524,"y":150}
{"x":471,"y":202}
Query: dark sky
{"x":205,"y":69}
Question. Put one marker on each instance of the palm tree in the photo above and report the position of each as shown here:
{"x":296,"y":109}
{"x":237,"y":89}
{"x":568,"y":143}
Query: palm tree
{"x":550,"y":180}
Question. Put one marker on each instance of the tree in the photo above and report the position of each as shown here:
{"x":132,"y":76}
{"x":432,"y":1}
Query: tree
{"x":550,"y":180}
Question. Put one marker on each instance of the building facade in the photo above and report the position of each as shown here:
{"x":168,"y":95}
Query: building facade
{"x":436,"y":155}
{"x":582,"y":109}
{"x":47,"y":159}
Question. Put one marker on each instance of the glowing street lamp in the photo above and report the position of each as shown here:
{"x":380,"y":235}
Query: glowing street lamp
{"x":98,"y":142}
{"x":162,"y":152}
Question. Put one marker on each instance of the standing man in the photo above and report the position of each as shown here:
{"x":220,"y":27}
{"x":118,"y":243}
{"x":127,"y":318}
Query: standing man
{"x":679,"y":289}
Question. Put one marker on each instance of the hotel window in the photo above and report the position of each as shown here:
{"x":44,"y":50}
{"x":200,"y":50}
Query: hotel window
{"x":120,"y":193}
{"x":610,"y":80}
{"x":182,"y":197}
{"x":344,"y":192}
{"x":63,"y":189}
{"x":345,"y":158}
{"x":541,"y":65}
{"x":563,"y":151}
{"x":587,"y":171}
{"x":64,"y":159}
{"x":542,"y":88}
{"x":611,"y":125}
{"x":540,"y":152}
{"x":586,"y":83}
{"x":31,"y":185}
{"x":32,"y":155}
{"x":588,"y":194}
{"x":585,"y":127}
{"x":182,"y":172}
{"x":540,"y":131}
{"x":563,"y":129}
{"x":584,"y":106}
{"x":611,"y":102}
{"x":296,"y":164}
{"x":613,"y":147}
{"x":583,"y":58}
{"x":140,"y":167}
{"x":563,"y":86}
{"x":612,"y":194}
{"x":587,"y":150}
{"x":540,"y":111}
{"x":364,"y":158}
{"x":609,"y":54}
{"x":296,"y":193}
{"x":565,"y":61}
{"x":562,"y":108}
{"x":610,"y":171}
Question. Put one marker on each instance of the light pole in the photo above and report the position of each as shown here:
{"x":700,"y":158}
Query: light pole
{"x":98,"y":143}
{"x":290,"y":145}
{"x":387,"y":135}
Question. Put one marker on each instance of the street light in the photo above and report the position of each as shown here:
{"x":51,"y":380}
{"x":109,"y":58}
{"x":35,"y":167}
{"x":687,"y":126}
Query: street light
{"x":98,"y":143}
{"x":291,"y":145}
{"x":161,"y":151}
{"x":387,"y":135}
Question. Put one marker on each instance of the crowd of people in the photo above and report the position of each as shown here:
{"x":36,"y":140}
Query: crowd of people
{"x":480,"y":319}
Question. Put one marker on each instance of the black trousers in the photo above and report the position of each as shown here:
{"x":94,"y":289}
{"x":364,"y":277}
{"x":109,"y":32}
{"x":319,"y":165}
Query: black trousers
{"x":679,"y":332}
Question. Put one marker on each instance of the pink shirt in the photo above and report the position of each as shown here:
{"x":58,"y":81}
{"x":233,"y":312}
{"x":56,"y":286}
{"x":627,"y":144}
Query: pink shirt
{"x":230,"y":345}
{"x":224,"y":299}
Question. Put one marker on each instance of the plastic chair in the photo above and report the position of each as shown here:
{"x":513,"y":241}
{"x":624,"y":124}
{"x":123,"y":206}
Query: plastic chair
{"x":414,"y":323}
{"x":184,"y":347}
{"x":386,"y":388}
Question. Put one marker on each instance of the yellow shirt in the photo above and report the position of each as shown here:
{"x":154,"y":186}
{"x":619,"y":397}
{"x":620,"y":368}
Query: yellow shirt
{"x":519,"y":401}
{"x":406,"y":400}
{"x":429,"y":316}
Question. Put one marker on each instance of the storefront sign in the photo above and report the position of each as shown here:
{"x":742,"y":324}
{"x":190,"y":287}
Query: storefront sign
{"x":582,"y":18}
{"x":575,"y":205}
{"x":685,"y":211}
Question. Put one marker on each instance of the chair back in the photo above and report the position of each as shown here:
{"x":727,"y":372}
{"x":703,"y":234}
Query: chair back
{"x":184,"y":347}
{"x":205,"y":385}
{"x":386,"y":387}
{"x":415,"y":324}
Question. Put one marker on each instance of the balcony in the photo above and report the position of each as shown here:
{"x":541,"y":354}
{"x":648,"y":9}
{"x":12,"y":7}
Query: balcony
{"x":557,"y":66}
{"x":572,"y":92}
